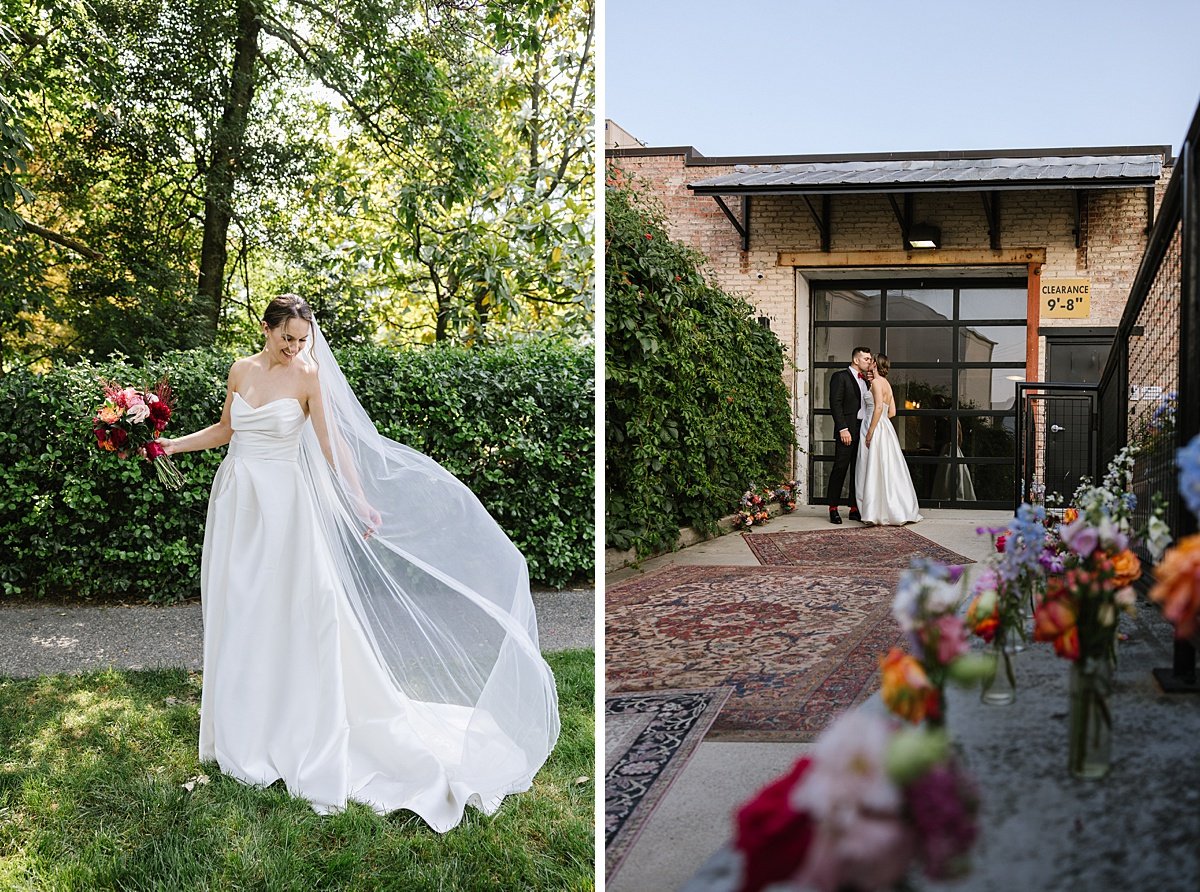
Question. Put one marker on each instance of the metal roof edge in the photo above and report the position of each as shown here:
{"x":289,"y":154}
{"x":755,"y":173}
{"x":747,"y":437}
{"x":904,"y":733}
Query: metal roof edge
{"x":940,"y":186}
{"x":694,"y":158}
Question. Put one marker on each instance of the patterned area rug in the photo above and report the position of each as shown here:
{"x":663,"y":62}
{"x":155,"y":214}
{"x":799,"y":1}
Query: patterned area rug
{"x":861,"y":548}
{"x":648,"y":739}
{"x":798,"y":646}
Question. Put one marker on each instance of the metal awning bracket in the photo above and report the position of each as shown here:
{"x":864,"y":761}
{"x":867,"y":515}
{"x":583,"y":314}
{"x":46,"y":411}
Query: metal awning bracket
{"x":1080,"y":201}
{"x":823,"y":220}
{"x":742,"y":226}
{"x":903,"y":218}
{"x":991,"y":210}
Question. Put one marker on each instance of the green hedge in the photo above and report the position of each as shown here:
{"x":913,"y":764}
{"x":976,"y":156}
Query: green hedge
{"x":513,"y":423}
{"x":696,"y":410}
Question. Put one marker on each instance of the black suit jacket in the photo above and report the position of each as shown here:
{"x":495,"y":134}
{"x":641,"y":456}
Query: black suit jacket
{"x":845,"y":399}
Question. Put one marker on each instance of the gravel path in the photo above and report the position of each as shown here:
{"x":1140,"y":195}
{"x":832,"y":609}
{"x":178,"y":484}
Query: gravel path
{"x":48,"y":639}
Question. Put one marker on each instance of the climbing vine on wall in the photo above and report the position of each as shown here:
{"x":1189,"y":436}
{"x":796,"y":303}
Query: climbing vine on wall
{"x":696,"y":409}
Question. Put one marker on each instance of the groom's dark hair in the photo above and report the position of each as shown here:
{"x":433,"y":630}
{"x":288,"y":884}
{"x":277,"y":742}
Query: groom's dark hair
{"x":857,"y":350}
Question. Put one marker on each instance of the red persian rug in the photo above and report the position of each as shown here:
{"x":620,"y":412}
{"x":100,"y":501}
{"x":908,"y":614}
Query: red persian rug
{"x":861,"y":548}
{"x":797,"y":645}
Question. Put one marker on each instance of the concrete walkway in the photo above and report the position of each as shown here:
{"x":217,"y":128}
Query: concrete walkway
{"x":693,"y":820}
{"x":52,"y":638}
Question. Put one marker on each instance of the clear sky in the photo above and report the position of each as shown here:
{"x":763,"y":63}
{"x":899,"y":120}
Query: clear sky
{"x":759,"y":77}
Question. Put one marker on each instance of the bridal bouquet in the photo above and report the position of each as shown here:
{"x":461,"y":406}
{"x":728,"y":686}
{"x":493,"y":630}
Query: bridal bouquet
{"x":130,"y":421}
{"x":926,"y":607}
{"x":867,"y":803}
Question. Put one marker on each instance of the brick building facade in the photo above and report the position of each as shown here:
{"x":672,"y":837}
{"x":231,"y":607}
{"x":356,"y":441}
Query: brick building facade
{"x":821,"y":248}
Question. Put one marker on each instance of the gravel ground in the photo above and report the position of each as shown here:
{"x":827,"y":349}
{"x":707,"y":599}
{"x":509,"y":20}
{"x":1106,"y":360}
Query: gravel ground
{"x":53,"y":638}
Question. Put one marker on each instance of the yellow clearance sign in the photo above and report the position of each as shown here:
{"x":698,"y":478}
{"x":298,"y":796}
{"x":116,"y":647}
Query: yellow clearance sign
{"x":1066,"y":298}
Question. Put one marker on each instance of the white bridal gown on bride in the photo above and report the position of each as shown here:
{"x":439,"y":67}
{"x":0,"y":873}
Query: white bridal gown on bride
{"x":881,"y":479}
{"x":298,"y":687}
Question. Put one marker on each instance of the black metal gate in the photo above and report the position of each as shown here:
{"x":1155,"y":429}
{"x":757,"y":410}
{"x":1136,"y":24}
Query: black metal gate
{"x":1056,"y":438}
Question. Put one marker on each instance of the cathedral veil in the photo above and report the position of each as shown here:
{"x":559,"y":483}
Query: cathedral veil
{"x":441,"y":594}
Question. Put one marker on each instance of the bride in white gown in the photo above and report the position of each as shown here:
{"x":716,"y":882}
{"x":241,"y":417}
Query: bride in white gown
{"x":881,"y":479}
{"x":368,"y":629}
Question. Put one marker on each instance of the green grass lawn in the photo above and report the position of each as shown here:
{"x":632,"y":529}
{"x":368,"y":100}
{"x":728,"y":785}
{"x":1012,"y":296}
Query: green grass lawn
{"x":92,"y":769}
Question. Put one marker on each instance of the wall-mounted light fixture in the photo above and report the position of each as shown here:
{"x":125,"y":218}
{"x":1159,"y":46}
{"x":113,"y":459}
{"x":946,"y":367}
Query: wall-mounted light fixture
{"x":923,"y":235}
{"x":765,"y":322}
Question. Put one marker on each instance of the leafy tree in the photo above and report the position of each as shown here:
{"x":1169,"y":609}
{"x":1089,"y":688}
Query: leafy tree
{"x":191,"y":157}
{"x":696,"y":410}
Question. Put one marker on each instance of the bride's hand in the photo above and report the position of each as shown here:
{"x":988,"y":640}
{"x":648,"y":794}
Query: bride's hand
{"x":368,"y":514}
{"x":167,"y":444}
{"x":868,"y":439}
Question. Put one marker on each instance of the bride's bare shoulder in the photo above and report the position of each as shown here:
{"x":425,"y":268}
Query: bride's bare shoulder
{"x":240,"y":368}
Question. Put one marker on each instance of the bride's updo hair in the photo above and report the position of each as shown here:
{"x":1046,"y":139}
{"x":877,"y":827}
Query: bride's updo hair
{"x":883,"y":365}
{"x":285,"y":307}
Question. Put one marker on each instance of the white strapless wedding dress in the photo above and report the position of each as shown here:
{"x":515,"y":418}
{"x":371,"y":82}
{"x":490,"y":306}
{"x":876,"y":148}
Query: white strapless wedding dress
{"x":881,"y":479}
{"x":293,"y":688}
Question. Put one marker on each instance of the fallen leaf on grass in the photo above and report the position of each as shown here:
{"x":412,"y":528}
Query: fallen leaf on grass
{"x":580,"y":781}
{"x":198,"y":781}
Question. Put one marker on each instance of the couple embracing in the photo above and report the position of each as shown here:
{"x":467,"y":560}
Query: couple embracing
{"x":866,"y":446}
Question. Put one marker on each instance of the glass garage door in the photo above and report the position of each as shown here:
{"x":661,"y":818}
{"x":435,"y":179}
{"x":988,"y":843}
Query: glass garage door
{"x":956,"y":347}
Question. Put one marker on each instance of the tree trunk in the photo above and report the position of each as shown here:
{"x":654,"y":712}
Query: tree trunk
{"x":222,"y":171}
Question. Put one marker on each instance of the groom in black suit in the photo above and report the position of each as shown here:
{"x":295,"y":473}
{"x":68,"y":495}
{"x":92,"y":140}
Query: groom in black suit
{"x":847,"y":387}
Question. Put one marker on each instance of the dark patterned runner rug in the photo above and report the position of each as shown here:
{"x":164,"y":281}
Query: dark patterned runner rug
{"x":861,"y":548}
{"x":648,"y":739}
{"x":797,"y":645}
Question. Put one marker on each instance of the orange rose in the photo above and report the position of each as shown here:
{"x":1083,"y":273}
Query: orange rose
{"x":906,"y":688}
{"x":1178,"y":586}
{"x":1126,"y":568}
{"x":982,"y":621}
{"x":1054,"y":620}
{"x":1070,"y":516}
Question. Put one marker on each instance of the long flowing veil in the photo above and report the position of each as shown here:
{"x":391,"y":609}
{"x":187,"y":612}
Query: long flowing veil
{"x":441,"y":593}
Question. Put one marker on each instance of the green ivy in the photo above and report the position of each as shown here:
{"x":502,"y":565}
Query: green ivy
{"x":513,"y":423}
{"x":696,"y":410}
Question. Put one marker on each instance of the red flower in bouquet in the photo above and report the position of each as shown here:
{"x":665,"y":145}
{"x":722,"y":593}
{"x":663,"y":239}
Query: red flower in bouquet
{"x":772,"y":835}
{"x":129,"y":421}
{"x":1001,"y":540}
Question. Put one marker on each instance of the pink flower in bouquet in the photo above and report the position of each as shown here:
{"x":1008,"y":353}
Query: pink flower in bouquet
{"x":946,"y":636}
{"x":849,"y":773}
{"x":1080,"y":537}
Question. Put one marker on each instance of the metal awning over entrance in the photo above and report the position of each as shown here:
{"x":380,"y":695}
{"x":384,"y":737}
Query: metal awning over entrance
{"x":1113,"y":171}
{"x":817,"y":179}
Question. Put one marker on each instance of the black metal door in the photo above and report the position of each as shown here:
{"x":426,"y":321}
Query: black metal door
{"x":1069,"y":429}
{"x":1057,"y":439}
